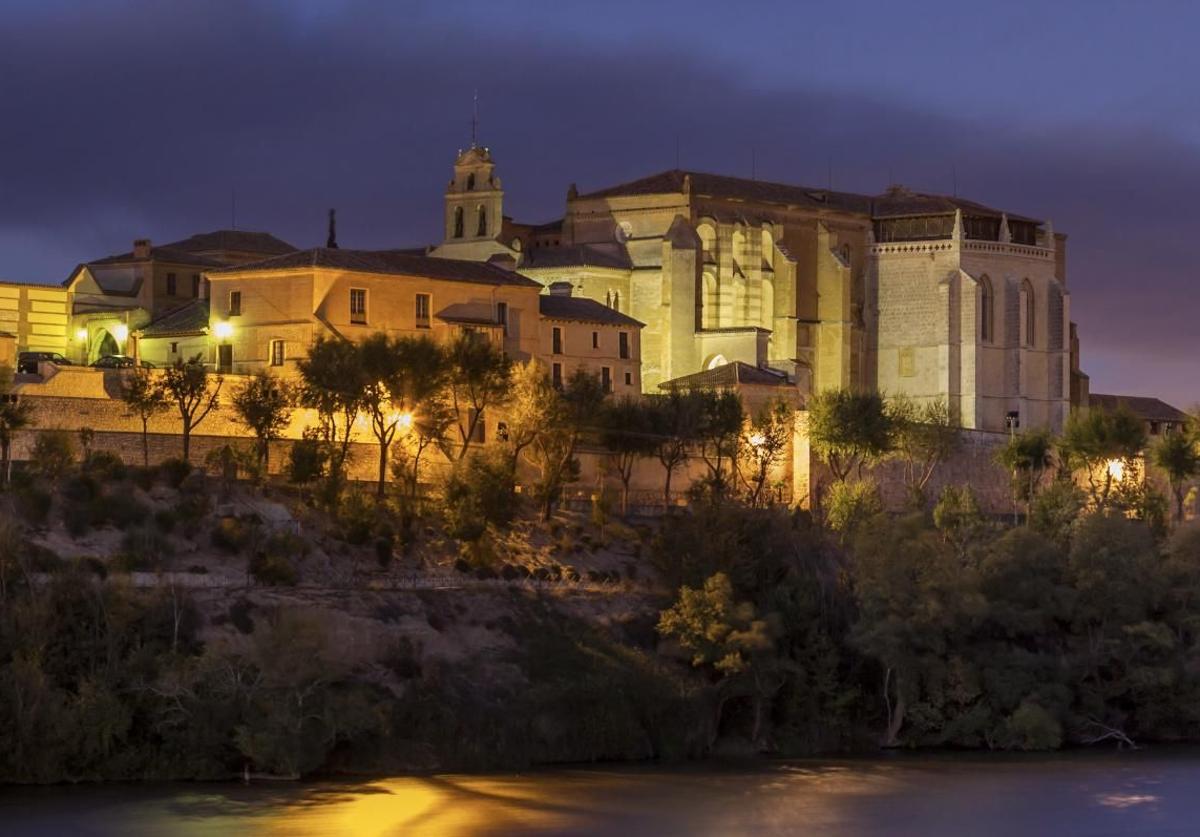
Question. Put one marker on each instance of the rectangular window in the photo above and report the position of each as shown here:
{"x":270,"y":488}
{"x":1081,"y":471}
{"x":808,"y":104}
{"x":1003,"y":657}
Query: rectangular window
{"x":556,"y":375}
{"x":277,"y":351}
{"x":628,"y":379}
{"x":502,"y":316}
{"x":623,"y":345}
{"x":170,"y":284}
{"x":235,"y":303}
{"x":358,"y":305}
{"x":606,"y":378}
{"x":595,"y":340}
{"x":478,"y":434}
{"x":422,"y":310}
{"x":195,"y":286}
{"x":556,"y":341}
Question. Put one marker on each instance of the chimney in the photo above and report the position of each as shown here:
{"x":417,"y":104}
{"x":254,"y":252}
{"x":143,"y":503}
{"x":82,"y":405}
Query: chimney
{"x":141,"y":248}
{"x":560,"y":289}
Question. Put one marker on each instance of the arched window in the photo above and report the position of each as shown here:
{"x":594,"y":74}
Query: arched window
{"x":709,"y":303}
{"x":987,"y":310}
{"x":482,"y":222}
{"x":1029,"y":313}
{"x":458,"y":222}
{"x":708,"y":241}
{"x":738,"y":243}
{"x":768,"y":246}
{"x":471,"y":182}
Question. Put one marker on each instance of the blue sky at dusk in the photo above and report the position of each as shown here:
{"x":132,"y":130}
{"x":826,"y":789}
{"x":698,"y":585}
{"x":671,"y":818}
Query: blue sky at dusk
{"x":128,"y":119}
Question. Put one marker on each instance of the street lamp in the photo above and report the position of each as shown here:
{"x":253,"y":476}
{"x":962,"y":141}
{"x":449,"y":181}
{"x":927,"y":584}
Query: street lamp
{"x":223,"y":330}
{"x":121,"y":332}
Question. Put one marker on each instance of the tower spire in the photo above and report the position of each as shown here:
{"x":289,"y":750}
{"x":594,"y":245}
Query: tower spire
{"x":331,"y":241}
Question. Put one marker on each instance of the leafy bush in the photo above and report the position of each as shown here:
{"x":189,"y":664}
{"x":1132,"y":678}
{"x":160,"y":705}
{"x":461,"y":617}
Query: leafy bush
{"x":232,"y":534}
{"x":105,"y":466}
{"x":143,"y":548}
{"x":121,"y":509}
{"x":80,"y":488}
{"x":306,"y":461}
{"x":53,"y":453}
{"x":32,"y":503}
{"x":174,"y":471}
{"x":480,"y":492}
{"x":356,"y":517}
{"x":270,"y":569}
{"x":850,"y":504}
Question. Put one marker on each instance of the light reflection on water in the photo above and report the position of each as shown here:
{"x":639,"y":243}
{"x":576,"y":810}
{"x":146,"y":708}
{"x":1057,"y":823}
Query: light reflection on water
{"x":918,"y":795}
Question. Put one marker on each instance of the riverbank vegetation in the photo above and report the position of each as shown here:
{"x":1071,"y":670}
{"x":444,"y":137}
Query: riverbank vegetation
{"x":734,"y":624}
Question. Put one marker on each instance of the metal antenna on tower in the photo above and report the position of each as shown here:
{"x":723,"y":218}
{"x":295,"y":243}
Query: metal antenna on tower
{"x":475,"y":119}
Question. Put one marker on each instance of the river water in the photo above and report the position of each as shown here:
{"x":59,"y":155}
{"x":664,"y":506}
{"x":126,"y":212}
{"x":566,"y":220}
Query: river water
{"x":933,"y":796}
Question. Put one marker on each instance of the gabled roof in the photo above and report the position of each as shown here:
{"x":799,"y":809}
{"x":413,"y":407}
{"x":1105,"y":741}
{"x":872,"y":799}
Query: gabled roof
{"x":188,"y":319}
{"x":583,"y":255}
{"x":582,"y":310}
{"x":387,"y":262}
{"x":722,"y":186}
{"x":728,"y":375}
{"x":1146,"y":408}
{"x":899,"y":201}
{"x":163,"y":254}
{"x":241,"y":241}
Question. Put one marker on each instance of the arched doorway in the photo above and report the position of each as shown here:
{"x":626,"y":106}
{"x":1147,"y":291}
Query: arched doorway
{"x":105,"y":344}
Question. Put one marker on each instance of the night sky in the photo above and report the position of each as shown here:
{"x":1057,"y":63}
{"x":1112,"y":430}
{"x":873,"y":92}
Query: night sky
{"x":128,"y":119}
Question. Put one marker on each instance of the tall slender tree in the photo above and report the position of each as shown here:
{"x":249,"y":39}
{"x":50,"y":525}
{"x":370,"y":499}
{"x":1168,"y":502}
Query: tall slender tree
{"x":264,"y":404}
{"x":145,"y":399}
{"x":187,"y":385}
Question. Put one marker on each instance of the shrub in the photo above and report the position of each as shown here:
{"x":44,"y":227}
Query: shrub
{"x":32,"y":504}
{"x":120,"y":509}
{"x":232,"y":534}
{"x":174,"y":471}
{"x":53,"y":453}
{"x":286,"y":545}
{"x":356,"y":518}
{"x":272,"y":569}
{"x":164,"y":519}
{"x":77,"y":517}
{"x":105,"y":466}
{"x":80,"y":488}
{"x":850,"y":504}
{"x":480,"y":492}
{"x":306,"y":461}
{"x":1030,"y":727}
{"x":143,"y":548}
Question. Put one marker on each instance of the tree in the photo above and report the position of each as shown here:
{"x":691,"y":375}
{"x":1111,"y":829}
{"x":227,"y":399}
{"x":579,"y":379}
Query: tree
{"x":1178,"y":456}
{"x":186,"y":385}
{"x":848,"y":430}
{"x":530,"y":409}
{"x":924,"y":436}
{"x":627,"y":435}
{"x":552,"y":453}
{"x":264,"y":404}
{"x":721,"y":420}
{"x":1028,"y":456}
{"x":332,"y":383}
{"x":1105,"y":445}
{"x":675,"y":420}
{"x":764,"y":443}
{"x":479,"y":377}
{"x":14,"y":416}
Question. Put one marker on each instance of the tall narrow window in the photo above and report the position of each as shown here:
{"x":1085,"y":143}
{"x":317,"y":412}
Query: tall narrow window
{"x":277,"y":352}
{"x":628,"y":379}
{"x":358,"y":305}
{"x":1030,"y":311}
{"x":170,"y":284}
{"x":482,"y":222}
{"x":556,"y":375}
{"x":478,"y":432}
{"x":422,"y":311}
{"x":556,"y":341}
{"x":623,"y":345}
{"x":502,"y":316}
{"x":195,"y":286}
{"x":595,"y":340}
{"x":458,"y":222}
{"x":235,"y":303}
{"x":987,"y":310}
{"x":606,"y":378}
{"x":471,"y":182}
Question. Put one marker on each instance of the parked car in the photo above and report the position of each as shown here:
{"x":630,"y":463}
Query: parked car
{"x":119,"y":362}
{"x":28,"y":361}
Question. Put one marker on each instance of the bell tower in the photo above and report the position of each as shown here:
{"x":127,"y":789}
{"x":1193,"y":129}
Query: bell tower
{"x":474,"y":199}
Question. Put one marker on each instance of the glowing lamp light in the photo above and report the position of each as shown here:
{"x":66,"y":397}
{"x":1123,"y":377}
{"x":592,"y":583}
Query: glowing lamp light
{"x":223,"y":330}
{"x":121,"y":332}
{"x":757,"y":440}
{"x":81,"y":335}
{"x":1116,"y":470}
{"x":405,"y":421}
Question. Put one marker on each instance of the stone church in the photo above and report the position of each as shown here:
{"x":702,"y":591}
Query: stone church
{"x":928,"y":296}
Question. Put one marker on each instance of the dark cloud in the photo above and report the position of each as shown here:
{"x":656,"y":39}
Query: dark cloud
{"x":141,"y":119}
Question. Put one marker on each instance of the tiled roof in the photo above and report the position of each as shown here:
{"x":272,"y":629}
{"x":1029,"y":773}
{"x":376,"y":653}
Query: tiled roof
{"x":722,"y":186}
{"x":164,"y":254}
{"x":897,"y":201}
{"x":188,"y":319}
{"x":389,"y":262}
{"x":1150,"y":409}
{"x":237,"y":240}
{"x":581,"y":309}
{"x":728,"y":375}
{"x":614,"y":256}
